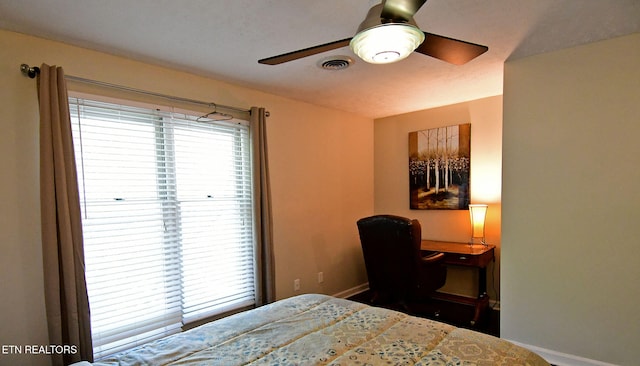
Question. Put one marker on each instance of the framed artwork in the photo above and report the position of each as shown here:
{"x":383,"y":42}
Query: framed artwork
{"x":439,"y":167}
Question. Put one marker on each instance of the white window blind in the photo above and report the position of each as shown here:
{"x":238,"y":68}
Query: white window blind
{"x":167,"y":220}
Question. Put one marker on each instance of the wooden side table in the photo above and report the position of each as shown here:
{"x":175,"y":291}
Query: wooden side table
{"x":463,"y":254}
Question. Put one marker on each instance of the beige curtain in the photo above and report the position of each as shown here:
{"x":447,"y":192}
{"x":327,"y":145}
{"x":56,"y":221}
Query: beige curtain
{"x":66,"y":297}
{"x":265,"y":284}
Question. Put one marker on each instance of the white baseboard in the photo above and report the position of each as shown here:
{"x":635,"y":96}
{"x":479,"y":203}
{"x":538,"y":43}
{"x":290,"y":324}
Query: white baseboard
{"x":352,"y":291}
{"x":561,"y":359}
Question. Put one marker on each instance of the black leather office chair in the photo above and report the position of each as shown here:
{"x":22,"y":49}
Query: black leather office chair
{"x":397,"y":270}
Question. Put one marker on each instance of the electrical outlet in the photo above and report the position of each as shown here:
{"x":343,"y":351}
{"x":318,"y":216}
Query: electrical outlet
{"x":320,"y":277}
{"x":296,"y":284}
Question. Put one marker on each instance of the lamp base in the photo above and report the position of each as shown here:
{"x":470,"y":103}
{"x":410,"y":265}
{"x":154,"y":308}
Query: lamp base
{"x":482,"y":241}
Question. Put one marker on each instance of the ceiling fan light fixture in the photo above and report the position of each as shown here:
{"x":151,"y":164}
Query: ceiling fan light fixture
{"x":386,"y":43}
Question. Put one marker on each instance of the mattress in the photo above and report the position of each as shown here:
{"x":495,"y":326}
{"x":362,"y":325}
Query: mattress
{"x":315,"y":329}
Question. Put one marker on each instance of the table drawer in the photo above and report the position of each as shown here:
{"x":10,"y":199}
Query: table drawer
{"x":460,"y":254}
{"x":462,"y":259}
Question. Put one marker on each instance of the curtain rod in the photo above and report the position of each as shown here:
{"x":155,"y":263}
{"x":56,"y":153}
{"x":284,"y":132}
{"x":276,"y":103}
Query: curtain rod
{"x":32,"y":72}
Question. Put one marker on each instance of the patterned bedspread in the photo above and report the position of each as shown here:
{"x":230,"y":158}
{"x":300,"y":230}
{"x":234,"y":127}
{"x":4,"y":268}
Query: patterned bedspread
{"x":322,"y":330}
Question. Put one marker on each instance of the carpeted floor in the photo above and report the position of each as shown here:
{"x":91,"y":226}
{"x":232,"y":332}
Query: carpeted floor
{"x":451,"y":313}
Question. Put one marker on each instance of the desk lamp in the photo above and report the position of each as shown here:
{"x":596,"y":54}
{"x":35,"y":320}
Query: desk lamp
{"x":477,"y":214}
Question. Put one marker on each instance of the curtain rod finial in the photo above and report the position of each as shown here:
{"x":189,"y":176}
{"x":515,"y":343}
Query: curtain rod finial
{"x":31,"y":72}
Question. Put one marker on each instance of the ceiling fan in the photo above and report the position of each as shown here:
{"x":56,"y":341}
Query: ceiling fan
{"x":388,"y":34}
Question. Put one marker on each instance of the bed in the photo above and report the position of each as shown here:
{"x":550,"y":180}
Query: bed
{"x":315,"y":329}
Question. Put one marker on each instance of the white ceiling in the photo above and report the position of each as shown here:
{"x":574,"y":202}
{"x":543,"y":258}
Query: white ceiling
{"x":223,"y":39}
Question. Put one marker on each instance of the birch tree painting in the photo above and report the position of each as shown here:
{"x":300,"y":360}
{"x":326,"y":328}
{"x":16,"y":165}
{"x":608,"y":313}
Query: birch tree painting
{"x":439,"y":166}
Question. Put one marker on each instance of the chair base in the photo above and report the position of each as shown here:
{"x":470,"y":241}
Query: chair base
{"x":458,"y":310}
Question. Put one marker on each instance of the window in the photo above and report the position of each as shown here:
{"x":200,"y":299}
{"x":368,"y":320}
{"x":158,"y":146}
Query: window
{"x":167,"y":219}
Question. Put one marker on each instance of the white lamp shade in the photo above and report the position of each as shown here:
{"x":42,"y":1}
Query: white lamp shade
{"x":477,"y":214}
{"x":386,"y":43}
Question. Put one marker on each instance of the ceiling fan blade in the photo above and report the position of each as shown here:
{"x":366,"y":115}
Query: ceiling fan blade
{"x":400,"y":9}
{"x":450,"y":50}
{"x":290,"y":56}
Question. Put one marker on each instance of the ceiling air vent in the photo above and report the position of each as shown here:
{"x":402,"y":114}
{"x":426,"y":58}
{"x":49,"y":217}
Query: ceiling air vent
{"x":336,"y":63}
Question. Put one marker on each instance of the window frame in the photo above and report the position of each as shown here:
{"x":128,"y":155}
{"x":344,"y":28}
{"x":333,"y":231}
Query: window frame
{"x":163,"y":110}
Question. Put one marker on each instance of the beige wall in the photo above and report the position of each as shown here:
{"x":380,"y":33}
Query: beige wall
{"x":570,"y":239}
{"x":391,"y":182}
{"x":321,"y":170}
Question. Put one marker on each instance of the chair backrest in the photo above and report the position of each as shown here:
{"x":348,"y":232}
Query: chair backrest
{"x":391,"y":248}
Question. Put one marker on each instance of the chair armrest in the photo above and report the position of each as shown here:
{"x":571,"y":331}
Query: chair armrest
{"x":432,"y":258}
